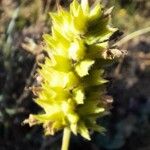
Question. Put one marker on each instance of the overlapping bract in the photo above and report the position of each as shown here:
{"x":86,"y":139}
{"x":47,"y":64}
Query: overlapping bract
{"x":72,"y":85}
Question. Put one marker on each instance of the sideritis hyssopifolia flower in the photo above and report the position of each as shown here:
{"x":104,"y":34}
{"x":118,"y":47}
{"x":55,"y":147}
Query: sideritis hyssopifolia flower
{"x":73,"y":85}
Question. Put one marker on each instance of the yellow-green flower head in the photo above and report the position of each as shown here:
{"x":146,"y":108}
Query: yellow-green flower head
{"x":72,"y":87}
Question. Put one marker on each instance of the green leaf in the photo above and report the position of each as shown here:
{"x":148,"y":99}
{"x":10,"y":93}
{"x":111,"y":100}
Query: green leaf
{"x":90,"y":108}
{"x":85,"y":7}
{"x":48,"y":107}
{"x":74,"y":7}
{"x":79,"y":95}
{"x":59,"y":60}
{"x":73,"y":128}
{"x":95,"y":79}
{"x":54,"y":78}
{"x":48,"y":39}
{"x":73,"y":80}
{"x":78,"y":15}
{"x":95,"y":13}
{"x":83,"y":67}
{"x":96,"y":50}
{"x":73,"y":118}
{"x":82,"y":129}
{"x":77,"y":50}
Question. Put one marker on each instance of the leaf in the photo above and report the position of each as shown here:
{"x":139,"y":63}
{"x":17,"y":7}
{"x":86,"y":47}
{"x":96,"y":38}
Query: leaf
{"x":73,"y":118}
{"x":96,"y":50}
{"x":74,"y":128}
{"x":82,"y":129}
{"x":90,"y":108}
{"x":80,"y":26}
{"x":73,"y":80}
{"x":74,"y":7}
{"x":85,"y":7}
{"x":49,"y":108}
{"x":96,"y":78}
{"x":56,"y":19}
{"x":59,"y":37}
{"x":98,"y":128}
{"x":101,"y":31}
{"x":83,"y":67}
{"x":77,"y":50}
{"x":79,"y":95}
{"x":96,"y":13}
{"x":49,"y":40}
{"x":55,"y":78}
{"x":59,"y":60}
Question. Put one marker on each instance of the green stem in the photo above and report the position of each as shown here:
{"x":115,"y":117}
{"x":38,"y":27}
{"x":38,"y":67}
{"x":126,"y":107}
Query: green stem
{"x":66,"y":139}
{"x":132,"y":35}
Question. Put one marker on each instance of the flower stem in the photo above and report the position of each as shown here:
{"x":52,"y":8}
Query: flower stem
{"x":66,"y":139}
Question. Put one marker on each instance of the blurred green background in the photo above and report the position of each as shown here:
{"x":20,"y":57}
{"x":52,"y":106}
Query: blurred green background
{"x":22,"y":23}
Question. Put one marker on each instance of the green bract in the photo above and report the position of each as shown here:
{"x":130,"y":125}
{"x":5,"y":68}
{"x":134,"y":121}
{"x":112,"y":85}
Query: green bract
{"x":72,"y":87}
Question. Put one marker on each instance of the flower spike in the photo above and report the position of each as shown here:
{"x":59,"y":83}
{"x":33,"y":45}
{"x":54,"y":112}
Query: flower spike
{"x":73,"y":85}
